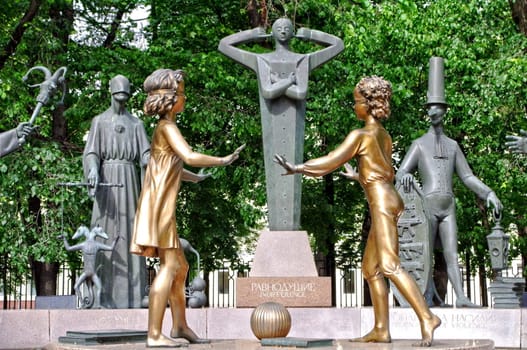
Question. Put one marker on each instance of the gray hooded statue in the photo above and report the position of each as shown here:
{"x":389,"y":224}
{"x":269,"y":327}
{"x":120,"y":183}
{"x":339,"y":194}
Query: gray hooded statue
{"x":116,"y":150}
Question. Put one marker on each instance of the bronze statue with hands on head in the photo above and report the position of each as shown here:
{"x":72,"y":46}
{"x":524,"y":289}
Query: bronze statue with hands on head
{"x":372,"y":147}
{"x":155,"y":232}
{"x":282,"y":71}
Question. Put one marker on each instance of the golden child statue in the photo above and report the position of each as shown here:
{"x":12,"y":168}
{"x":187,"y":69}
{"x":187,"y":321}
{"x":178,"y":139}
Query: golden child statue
{"x":372,"y":147}
{"x":155,"y":232}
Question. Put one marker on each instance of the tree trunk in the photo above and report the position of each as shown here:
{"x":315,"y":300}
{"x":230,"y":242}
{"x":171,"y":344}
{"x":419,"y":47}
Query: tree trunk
{"x":59,"y":123}
{"x":523,"y":234}
{"x":45,"y":276}
{"x":482,"y":272}
{"x":440,"y":274}
{"x":206,"y":291}
{"x":112,"y":34}
{"x":44,"y":273}
{"x":257,"y":12}
{"x":467,"y":273}
{"x":329,"y":191}
{"x":4,"y":279}
{"x":62,"y":15}
{"x":366,"y":224}
{"x":519,"y":14}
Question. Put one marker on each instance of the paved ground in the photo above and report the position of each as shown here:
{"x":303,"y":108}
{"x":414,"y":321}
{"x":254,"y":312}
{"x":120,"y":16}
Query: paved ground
{"x":255,"y":345}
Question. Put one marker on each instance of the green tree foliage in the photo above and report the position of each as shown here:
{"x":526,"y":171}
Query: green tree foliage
{"x":485,"y":69}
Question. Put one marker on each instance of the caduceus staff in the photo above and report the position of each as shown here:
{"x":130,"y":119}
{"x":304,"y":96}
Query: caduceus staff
{"x":47,"y":88}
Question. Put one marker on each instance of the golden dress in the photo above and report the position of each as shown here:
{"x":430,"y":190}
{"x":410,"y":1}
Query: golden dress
{"x":155,"y":220}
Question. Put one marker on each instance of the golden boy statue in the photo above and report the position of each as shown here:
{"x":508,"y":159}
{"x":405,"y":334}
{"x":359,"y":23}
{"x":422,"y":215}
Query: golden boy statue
{"x":372,"y":147}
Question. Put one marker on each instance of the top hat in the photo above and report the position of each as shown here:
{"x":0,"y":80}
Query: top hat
{"x":436,"y":82}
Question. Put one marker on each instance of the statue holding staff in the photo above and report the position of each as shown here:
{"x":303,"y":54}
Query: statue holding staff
{"x":47,"y":88}
{"x":283,"y":82}
{"x":13,"y":139}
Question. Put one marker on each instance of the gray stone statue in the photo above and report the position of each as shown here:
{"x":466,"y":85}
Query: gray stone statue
{"x":517,"y":144}
{"x":437,"y":157}
{"x":13,"y":139}
{"x":117,"y":146}
{"x":90,"y":247}
{"x":48,"y":87}
{"x":283,"y":81}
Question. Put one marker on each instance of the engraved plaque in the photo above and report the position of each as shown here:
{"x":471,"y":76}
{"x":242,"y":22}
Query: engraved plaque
{"x":415,"y":249}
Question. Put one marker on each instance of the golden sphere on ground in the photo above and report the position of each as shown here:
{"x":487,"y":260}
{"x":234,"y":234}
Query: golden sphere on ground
{"x":270,"y":320}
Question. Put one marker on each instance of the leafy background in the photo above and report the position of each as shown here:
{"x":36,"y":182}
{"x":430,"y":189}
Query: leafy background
{"x":482,"y":41}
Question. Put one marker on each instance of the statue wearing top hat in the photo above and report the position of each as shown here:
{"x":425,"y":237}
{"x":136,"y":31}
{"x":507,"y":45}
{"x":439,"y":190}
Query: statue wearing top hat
{"x":437,"y":157}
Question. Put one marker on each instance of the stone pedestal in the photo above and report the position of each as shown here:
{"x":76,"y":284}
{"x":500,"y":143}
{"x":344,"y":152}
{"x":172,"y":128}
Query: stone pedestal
{"x":507,"y":292}
{"x":283,"y":254}
{"x":33,"y":329}
{"x":97,"y":337}
{"x":56,"y":302}
{"x":283,"y":271}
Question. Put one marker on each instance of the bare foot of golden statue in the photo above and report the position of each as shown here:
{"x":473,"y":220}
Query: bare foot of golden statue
{"x":427,"y":331}
{"x":163,"y":342}
{"x":376,"y":335}
{"x":189,"y":335}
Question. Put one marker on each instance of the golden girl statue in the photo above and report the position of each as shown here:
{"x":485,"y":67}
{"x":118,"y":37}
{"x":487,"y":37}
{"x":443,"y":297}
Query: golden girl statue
{"x":372,"y":147}
{"x":155,"y":232}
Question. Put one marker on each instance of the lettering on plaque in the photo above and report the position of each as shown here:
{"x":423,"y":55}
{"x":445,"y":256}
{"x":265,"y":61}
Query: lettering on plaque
{"x":282,"y":289}
{"x":410,"y":251}
{"x":403,"y":320}
{"x":411,"y":259}
{"x":456,"y":320}
{"x":414,"y":241}
{"x":469,"y":320}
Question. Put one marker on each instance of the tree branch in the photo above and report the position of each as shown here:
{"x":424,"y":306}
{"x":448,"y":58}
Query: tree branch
{"x":257,"y":12}
{"x":18,"y":33}
{"x":108,"y":42}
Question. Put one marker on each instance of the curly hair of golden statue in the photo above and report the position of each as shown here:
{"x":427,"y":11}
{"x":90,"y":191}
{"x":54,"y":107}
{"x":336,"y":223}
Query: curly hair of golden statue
{"x":377,"y":91}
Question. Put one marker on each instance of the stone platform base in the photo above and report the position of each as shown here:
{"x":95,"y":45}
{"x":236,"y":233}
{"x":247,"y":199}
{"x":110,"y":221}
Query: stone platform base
{"x":339,"y":344}
{"x":507,"y":328}
{"x":104,"y":337}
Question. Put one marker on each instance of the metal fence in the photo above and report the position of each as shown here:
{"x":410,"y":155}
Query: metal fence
{"x":349,"y":287}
